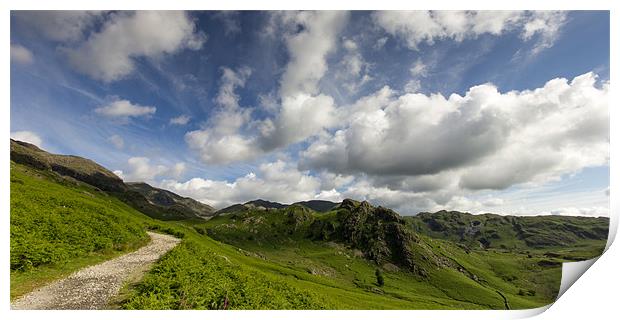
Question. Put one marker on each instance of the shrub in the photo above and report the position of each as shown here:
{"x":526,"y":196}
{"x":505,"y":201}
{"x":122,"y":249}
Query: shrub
{"x":380,"y":280}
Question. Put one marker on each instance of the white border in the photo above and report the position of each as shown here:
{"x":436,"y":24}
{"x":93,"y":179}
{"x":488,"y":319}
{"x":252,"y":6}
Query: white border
{"x":595,"y":294}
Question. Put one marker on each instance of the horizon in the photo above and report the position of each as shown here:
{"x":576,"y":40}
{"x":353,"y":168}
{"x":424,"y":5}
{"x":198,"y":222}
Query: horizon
{"x":509,"y":117}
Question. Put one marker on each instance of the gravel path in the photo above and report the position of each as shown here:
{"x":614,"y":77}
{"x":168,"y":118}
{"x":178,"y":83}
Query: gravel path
{"x":93,"y":287}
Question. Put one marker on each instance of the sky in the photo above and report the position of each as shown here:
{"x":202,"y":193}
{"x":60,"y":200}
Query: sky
{"x":504,"y":112}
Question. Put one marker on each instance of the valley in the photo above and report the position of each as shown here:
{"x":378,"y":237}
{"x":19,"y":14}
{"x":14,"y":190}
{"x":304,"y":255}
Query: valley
{"x":68,"y":213}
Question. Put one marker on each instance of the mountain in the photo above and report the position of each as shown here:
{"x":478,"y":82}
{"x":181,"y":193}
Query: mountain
{"x":260,"y":204}
{"x":166,"y":199}
{"x":265,"y":204}
{"x":434,"y":260}
{"x":509,"y":232}
{"x":80,"y":170}
{"x":318,"y":205}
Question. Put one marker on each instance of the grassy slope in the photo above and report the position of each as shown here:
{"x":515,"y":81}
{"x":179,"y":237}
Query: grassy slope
{"x":58,"y":226}
{"x":261,"y":266}
{"x":260,"y":245}
{"x":540,"y":233}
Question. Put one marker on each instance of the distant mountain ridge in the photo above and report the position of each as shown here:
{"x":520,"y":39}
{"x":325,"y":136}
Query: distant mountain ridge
{"x":156,"y":203}
{"x":260,"y":204}
{"x":165,"y":198}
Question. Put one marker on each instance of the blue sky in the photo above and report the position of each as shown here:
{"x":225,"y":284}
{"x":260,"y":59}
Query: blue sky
{"x":413,"y":110}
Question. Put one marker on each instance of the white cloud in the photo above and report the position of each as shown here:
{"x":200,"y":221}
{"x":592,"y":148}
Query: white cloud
{"x":493,"y":202}
{"x":545,"y":23}
{"x":276,"y":181}
{"x":123,"y":109}
{"x":580,"y":211}
{"x":117,"y":141}
{"x":109,"y":54}
{"x":477,"y":140}
{"x":308,"y":49}
{"x":141,"y":169}
{"x":231,"y":136}
{"x":220,"y":141}
{"x":21,"y":55}
{"x":119,"y":173}
{"x":417,"y":27}
{"x":58,"y":25}
{"x":180,"y":120}
{"x":27,"y":136}
{"x":353,"y":71}
{"x":300,"y":117}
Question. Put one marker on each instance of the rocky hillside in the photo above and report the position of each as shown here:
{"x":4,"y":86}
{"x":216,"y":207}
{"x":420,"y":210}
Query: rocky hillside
{"x":509,"y":232}
{"x":76,"y":169}
{"x":166,"y":199}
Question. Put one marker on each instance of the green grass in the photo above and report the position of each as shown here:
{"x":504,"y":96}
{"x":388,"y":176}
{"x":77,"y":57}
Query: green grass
{"x":58,"y":226}
{"x":262,"y":241}
{"x":274,"y":259}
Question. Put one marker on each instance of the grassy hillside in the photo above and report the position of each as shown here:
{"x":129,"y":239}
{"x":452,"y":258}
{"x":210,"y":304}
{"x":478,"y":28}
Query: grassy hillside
{"x":89,"y":172}
{"x":171,"y":201}
{"x":326,"y":254}
{"x":354,"y":256}
{"x":60,"y":224}
{"x":553,"y":234}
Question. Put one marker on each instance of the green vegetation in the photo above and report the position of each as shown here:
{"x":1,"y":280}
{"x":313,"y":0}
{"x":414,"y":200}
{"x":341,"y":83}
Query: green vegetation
{"x":155,"y":203}
{"x":266,"y":256}
{"x":379,"y":275}
{"x":578,"y":238}
{"x":59,"y":224}
{"x":329,"y":254}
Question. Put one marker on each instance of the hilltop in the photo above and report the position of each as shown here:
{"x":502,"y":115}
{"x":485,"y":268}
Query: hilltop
{"x":172,"y":201}
{"x":156,"y":203}
{"x":260,"y":204}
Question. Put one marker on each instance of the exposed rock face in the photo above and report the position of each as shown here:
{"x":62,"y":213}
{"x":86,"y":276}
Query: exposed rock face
{"x":380,"y":233}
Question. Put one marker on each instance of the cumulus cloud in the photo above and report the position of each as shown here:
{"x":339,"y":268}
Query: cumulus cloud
{"x":418,"y":27}
{"x":27,"y":136}
{"x":59,"y":25}
{"x":276,"y":181}
{"x":300,"y":117}
{"x":141,"y":169}
{"x":303,"y":111}
{"x":117,"y":141}
{"x":308,"y":48}
{"x":230,"y":136}
{"x":220,"y":140}
{"x":110,"y":53}
{"x":476,"y":140}
{"x":180,"y":120}
{"x":21,"y":55}
{"x":124,"y":109}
